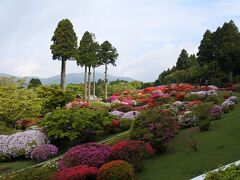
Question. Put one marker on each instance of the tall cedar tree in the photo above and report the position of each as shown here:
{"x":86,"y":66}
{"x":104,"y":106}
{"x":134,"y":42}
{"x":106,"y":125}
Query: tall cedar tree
{"x":182,"y":62}
{"x":87,"y":56}
{"x":205,"y":50}
{"x":108,"y":55}
{"x":64,"y":46}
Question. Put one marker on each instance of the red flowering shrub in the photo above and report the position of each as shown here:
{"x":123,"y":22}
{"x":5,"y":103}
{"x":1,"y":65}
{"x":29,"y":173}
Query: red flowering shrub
{"x":82,"y":172}
{"x":148,"y":90}
{"x":91,"y":154}
{"x":180,"y":97}
{"x":76,"y":104}
{"x":194,"y":103}
{"x":116,"y":170}
{"x":132,"y":151}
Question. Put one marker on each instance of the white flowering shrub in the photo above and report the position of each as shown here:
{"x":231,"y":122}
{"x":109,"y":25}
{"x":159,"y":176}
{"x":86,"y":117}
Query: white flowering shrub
{"x":187,"y":120}
{"x":179,"y":106}
{"x":228,"y":104}
{"x":20,"y":144}
{"x":205,"y":94}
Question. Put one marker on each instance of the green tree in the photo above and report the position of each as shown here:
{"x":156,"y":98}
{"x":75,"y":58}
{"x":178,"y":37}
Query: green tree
{"x":64,"y":46}
{"x":182,"y":62}
{"x":34,"y":82}
{"x":87,"y":56}
{"x":108,"y":55}
{"x":228,"y":48}
{"x":205,"y":50}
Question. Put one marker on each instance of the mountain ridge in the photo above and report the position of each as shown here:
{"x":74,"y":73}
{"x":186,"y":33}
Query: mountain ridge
{"x":74,"y":78}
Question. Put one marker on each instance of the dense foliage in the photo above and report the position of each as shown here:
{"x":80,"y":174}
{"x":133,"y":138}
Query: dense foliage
{"x":217,"y":59}
{"x":232,"y":172}
{"x":75,"y":124}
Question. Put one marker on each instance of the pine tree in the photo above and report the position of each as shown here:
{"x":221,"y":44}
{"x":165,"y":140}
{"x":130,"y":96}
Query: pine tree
{"x":64,"y":46}
{"x":182,"y":62}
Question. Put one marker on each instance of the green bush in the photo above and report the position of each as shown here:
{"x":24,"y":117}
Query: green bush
{"x":213,"y":99}
{"x":18,"y":103}
{"x":99,"y":105}
{"x":202,"y":111}
{"x":53,"y":97}
{"x":72,"y":124}
{"x":125,"y":124}
{"x":232,"y":172}
{"x":191,"y":97}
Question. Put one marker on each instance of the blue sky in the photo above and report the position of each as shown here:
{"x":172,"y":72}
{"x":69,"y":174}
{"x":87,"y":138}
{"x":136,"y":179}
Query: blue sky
{"x":148,"y":34}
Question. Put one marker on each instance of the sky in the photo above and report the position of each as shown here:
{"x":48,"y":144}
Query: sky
{"x":148,"y":34}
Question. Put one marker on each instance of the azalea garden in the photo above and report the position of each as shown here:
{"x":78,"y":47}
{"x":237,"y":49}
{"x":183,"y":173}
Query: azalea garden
{"x":173,"y":128}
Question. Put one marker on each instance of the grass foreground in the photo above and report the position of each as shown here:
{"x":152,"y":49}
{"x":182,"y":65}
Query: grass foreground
{"x":218,"y":146}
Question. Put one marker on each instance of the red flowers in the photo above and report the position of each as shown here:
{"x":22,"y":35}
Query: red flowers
{"x":132,"y":151}
{"x":180,"y":97}
{"x":81,"y":172}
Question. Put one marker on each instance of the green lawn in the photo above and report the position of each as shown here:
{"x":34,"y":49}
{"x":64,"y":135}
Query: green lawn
{"x":219,"y":146}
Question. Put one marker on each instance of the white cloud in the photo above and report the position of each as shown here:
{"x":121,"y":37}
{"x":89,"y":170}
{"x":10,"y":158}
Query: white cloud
{"x":148,"y":34}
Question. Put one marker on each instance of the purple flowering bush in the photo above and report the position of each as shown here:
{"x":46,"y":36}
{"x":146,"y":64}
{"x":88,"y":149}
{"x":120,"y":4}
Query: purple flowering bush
{"x":117,"y":114}
{"x":44,"y":152}
{"x":90,"y":154}
{"x":20,"y":144}
{"x":130,"y":115}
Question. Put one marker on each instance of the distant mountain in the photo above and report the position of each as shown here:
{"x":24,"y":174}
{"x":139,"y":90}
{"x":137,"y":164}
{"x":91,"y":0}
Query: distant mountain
{"x":74,"y":78}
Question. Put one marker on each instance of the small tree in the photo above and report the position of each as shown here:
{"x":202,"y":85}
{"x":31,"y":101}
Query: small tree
{"x":64,"y":46}
{"x":108,"y":55}
{"x":34,"y":82}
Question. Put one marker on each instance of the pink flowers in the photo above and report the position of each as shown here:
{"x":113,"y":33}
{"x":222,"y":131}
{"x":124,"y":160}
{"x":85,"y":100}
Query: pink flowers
{"x":91,"y":154}
{"x":44,"y":152}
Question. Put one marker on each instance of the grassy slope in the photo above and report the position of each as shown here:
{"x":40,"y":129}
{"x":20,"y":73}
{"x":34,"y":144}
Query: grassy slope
{"x":219,"y":146}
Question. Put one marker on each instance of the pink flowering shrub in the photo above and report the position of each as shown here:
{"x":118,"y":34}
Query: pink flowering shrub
{"x":91,"y":154}
{"x":20,"y":144}
{"x":216,"y":112}
{"x":44,"y":152}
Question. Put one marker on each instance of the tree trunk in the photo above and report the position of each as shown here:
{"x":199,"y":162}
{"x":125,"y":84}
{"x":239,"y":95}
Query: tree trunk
{"x":106,"y":83}
{"x":89,"y":83}
{"x":63,"y":74}
{"x":85,"y":84}
{"x":94,"y":84}
{"x":231,"y":76}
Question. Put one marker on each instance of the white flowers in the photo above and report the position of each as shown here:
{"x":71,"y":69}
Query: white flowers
{"x":206,"y":93}
{"x":21,"y":143}
{"x":229,"y":103}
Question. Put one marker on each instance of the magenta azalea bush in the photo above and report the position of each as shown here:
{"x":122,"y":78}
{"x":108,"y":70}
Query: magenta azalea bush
{"x":44,"y":152}
{"x":90,"y":154}
{"x":21,"y":144}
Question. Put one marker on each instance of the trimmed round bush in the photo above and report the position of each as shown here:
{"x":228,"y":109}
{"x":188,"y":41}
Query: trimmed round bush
{"x":132,"y":151}
{"x":44,"y":152}
{"x":81,"y":172}
{"x":116,"y":170}
{"x":216,"y":112}
{"x":90,"y":154}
